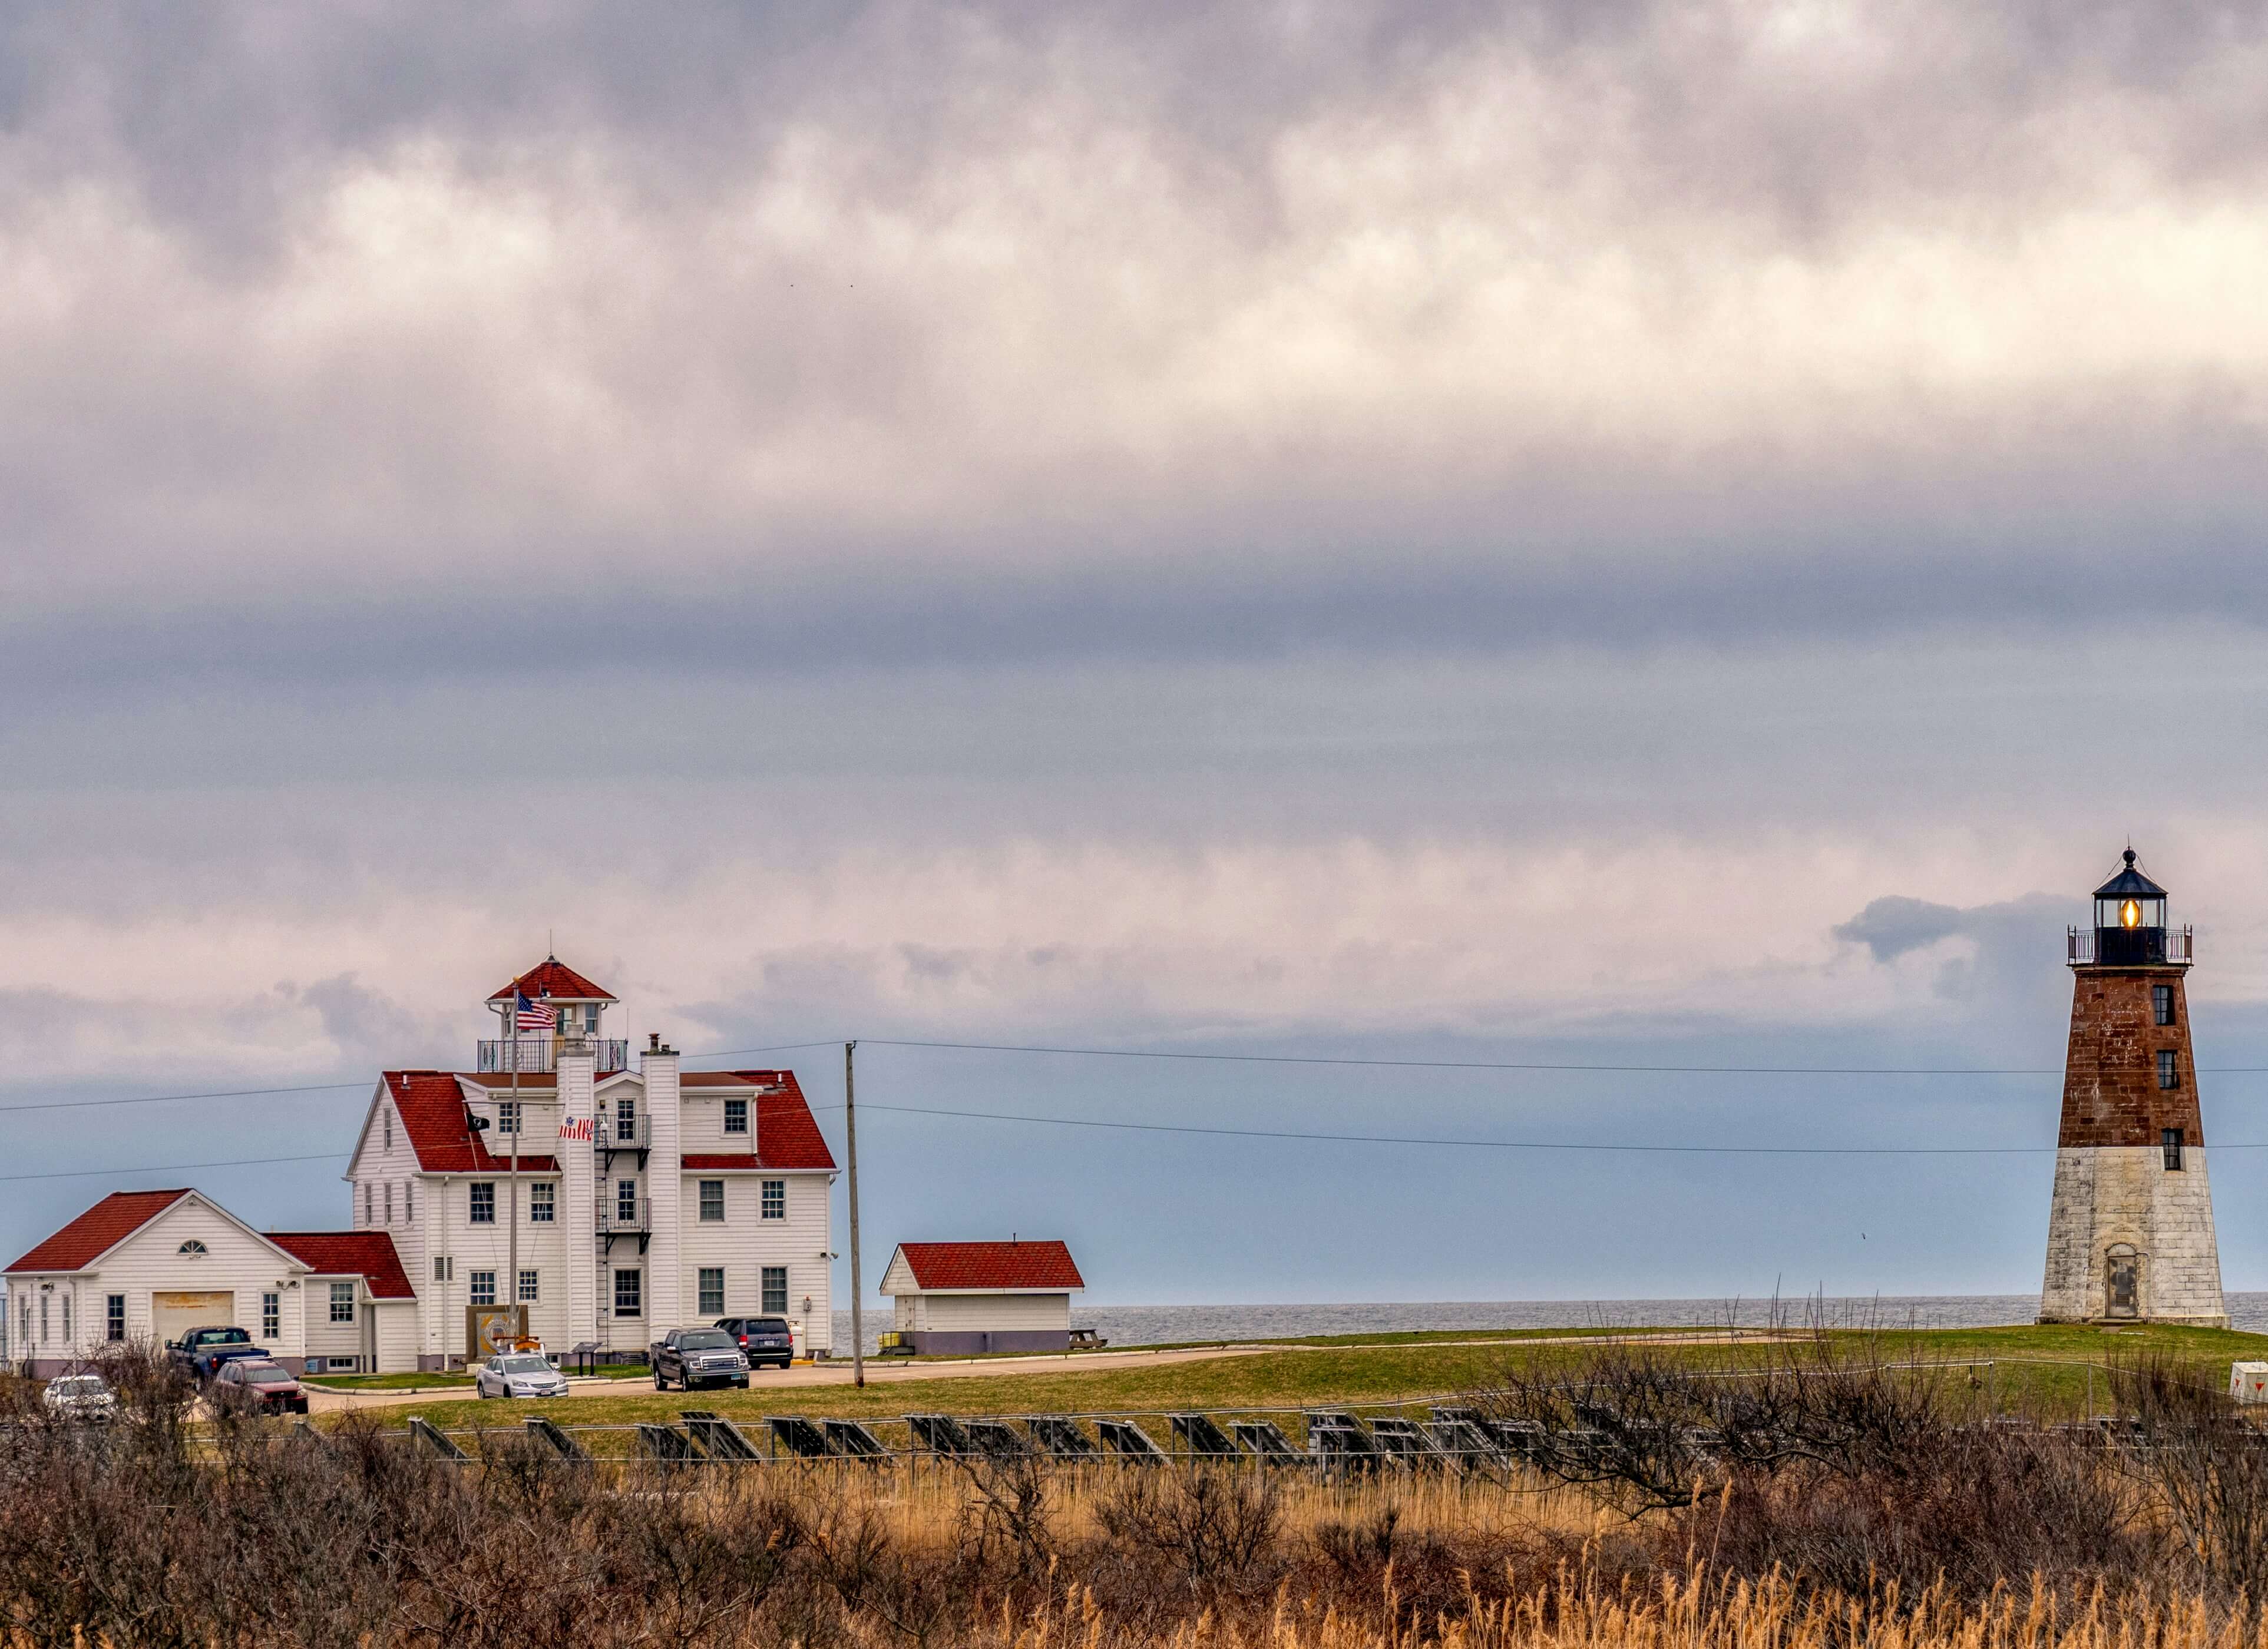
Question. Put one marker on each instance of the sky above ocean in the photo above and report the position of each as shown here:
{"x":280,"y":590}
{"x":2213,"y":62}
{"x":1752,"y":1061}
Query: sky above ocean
{"x":1636,"y":535}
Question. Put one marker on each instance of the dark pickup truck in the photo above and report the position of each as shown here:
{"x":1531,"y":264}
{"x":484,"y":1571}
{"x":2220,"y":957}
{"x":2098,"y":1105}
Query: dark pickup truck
{"x":697,"y":1357}
{"x":201,"y":1351}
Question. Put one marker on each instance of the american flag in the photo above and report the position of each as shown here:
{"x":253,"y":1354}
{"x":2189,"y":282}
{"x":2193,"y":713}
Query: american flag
{"x":539,"y":1015}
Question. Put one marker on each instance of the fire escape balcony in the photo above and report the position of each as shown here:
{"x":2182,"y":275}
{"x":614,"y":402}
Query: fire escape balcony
{"x":614,"y":1135}
{"x":625,"y":1217}
{"x":538,"y":1053}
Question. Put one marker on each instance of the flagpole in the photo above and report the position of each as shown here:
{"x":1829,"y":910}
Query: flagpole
{"x":511,"y":1241}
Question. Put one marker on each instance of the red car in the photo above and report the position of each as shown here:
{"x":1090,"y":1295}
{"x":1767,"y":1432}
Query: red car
{"x":257,"y":1383}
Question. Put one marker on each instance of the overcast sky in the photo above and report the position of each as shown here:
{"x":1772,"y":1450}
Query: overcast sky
{"x":1644,"y":535}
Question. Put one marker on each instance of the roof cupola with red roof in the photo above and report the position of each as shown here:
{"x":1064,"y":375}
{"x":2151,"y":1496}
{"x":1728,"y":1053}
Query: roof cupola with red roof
{"x":553,"y":978}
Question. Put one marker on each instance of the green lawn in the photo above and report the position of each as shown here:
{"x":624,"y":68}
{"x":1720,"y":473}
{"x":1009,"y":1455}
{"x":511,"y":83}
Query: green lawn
{"x":2040,"y":1369}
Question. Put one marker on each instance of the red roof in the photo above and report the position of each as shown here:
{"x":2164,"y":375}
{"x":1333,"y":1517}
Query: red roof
{"x":552,"y":977}
{"x":433,"y":1108}
{"x":786,"y":1135}
{"x":101,"y":1228}
{"x":991,"y":1265}
{"x":366,"y":1253}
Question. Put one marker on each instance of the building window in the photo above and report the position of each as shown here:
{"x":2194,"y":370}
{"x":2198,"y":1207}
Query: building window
{"x":625,"y":1119}
{"x":271,"y":1315}
{"x":736,"y":1117}
{"x":626,"y":1201}
{"x":192,"y":1247}
{"x":368,"y":1204}
{"x":389,"y":1202}
{"x":2169,"y":1071}
{"x":389,"y":1131}
{"x":540,"y":1204}
{"x":590,"y":1018}
{"x":113,"y":1317}
{"x":711,"y":1291}
{"x":530,"y":1293}
{"x":507,"y":1116}
{"x":67,"y":1334}
{"x":626,"y":1294}
{"x":25,"y":1316}
{"x":409,"y":1201}
{"x":774,"y":1199}
{"x":444,"y":1268}
{"x":2162,"y":1004}
{"x":483,"y":1202}
{"x":481,"y":1288}
{"x":712,"y":1204}
{"x":43,"y":1319}
{"x":343,"y":1302}
{"x":2171,"y":1138}
{"x":774,"y":1290}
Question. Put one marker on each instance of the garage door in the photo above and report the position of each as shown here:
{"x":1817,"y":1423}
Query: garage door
{"x":175,"y":1315}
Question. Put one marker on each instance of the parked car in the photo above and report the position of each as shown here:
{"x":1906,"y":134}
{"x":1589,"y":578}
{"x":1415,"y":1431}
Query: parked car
{"x":760,"y":1339}
{"x":519,"y":1374}
{"x":697,"y":1357}
{"x":259,"y":1382}
{"x":201,"y":1351}
{"x":79,"y":1397}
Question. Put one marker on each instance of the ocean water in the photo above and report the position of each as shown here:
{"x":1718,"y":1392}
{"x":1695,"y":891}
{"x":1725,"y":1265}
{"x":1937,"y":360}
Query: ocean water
{"x":1168,"y":1325}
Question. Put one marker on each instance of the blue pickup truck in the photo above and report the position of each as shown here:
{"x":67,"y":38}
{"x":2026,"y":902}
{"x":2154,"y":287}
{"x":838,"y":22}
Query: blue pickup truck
{"x":201,"y":1351}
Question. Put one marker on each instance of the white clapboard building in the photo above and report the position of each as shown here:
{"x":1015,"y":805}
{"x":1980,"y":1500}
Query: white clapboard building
{"x":976,"y":1296}
{"x":647,"y":1198}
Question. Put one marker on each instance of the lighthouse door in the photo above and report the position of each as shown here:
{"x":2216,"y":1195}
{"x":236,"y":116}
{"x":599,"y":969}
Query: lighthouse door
{"x":2125,"y":1283}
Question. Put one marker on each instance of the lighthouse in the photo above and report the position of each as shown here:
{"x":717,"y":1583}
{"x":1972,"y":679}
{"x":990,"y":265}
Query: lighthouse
{"x":2130,"y":1230}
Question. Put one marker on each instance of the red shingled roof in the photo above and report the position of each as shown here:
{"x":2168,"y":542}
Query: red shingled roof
{"x":366,"y":1253}
{"x":554,"y":978}
{"x":991,"y":1265}
{"x":786,"y":1135}
{"x":433,"y":1108}
{"x":101,"y":1228}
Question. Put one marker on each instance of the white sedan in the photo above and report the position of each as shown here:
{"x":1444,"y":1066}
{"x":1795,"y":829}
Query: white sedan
{"x":79,"y":1397}
{"x":519,"y":1374}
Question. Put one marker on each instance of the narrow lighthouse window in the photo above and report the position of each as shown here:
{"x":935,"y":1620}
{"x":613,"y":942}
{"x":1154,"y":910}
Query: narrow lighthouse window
{"x":2162,"y":1004}
{"x":2169,"y":1074}
{"x":2172,"y":1136}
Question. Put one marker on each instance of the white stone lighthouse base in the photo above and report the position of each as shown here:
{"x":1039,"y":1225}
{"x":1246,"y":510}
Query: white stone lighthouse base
{"x":2116,"y":1202}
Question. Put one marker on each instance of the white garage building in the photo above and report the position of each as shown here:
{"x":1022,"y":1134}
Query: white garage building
{"x":146,"y":1266}
{"x":971,"y":1297}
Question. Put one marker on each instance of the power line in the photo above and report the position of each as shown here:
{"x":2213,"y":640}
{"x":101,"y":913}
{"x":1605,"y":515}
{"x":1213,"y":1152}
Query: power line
{"x":173,"y":1168}
{"x":1501,"y":1144}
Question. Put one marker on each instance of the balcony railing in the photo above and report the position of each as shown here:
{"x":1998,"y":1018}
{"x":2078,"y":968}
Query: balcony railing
{"x":610,"y":1133}
{"x":535,"y":1053}
{"x":617,"y":1217}
{"x":2129,"y":948}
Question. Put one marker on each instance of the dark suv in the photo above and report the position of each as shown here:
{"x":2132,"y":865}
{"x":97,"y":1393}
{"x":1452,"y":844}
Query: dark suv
{"x":761,"y":1339}
{"x":697,"y":1357}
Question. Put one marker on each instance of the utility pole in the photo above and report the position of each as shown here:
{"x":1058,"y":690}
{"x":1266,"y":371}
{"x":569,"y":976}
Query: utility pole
{"x":850,"y":1138}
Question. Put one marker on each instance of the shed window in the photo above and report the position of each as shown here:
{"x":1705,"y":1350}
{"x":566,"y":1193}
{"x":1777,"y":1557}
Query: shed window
{"x":711,"y":1290}
{"x":628,"y":1290}
{"x":113,"y":1317}
{"x":736,"y":1117}
{"x":483,"y":1202}
{"x":343,"y":1302}
{"x":775,"y":1278}
{"x":2162,"y":1004}
{"x":712,"y":1206}
{"x":774,"y":1199}
{"x":2171,"y":1138}
{"x":271,"y":1315}
{"x":481,"y":1285}
{"x":2169,"y":1071}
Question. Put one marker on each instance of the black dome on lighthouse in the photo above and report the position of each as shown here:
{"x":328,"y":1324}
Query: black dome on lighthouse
{"x":2129,"y":883}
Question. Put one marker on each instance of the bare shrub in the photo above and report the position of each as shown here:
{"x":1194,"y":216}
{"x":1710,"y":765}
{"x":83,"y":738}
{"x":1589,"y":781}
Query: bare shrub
{"x":1214,"y":1523}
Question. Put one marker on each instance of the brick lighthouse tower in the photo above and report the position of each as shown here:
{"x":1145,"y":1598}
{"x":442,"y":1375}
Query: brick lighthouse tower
{"x":2130,"y":1232}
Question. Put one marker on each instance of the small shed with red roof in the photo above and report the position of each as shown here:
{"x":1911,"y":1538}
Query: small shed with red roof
{"x":976,"y":1296}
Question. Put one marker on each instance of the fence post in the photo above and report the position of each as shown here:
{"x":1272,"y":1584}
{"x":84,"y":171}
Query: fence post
{"x":2090,"y":1394}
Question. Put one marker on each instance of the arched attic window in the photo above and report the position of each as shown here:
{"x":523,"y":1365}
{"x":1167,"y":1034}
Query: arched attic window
{"x":193,"y":1247}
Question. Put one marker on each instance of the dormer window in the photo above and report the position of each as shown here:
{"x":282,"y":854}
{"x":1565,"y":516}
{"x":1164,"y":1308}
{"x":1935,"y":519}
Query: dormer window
{"x":192,"y":1247}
